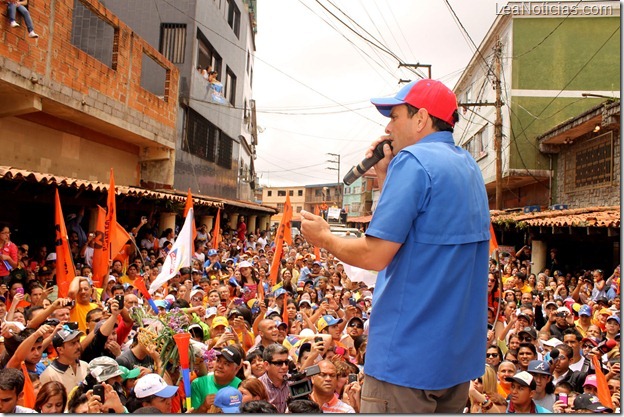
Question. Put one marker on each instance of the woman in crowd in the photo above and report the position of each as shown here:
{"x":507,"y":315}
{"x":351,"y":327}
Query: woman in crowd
{"x":51,"y":399}
{"x":484,"y":396}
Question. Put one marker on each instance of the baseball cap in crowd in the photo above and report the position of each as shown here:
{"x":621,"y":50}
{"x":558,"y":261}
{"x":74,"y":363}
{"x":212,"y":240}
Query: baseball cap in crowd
{"x":230,"y":354}
{"x":305,"y":302}
{"x":129,"y":373}
{"x":210,"y":311}
{"x":244,"y":264}
{"x":278,"y":292}
{"x":563,"y":312}
{"x":219,"y":321}
{"x":153,"y":384}
{"x":355,"y":318}
{"x":162,"y":304}
{"x":603,"y":300}
{"x":198,"y":291}
{"x":525,"y":316}
{"x":170,"y":297}
{"x":65,"y":335}
{"x":591,"y":380}
{"x":605,"y":312}
{"x":552,"y":342}
{"x":212,"y":252}
{"x":110,"y":278}
{"x":591,"y":340}
{"x":228,"y":399}
{"x":51,"y":257}
{"x":589,"y":402}
{"x":614,"y":317}
{"x":104,"y":368}
{"x":550,"y":303}
{"x":530,"y":331}
{"x":234,"y":312}
{"x":279,"y":323}
{"x":300,"y":286}
{"x":326,"y":321}
{"x":317,"y":263}
{"x":523,"y":378}
{"x":428,"y":94}
{"x":539,"y":367}
{"x":585,"y":310}
{"x":271,"y":311}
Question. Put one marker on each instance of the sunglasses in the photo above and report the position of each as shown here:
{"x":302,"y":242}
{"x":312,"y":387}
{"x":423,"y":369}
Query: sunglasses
{"x":526,"y":339}
{"x":491,"y":355}
{"x":588,"y":346}
{"x":358,"y":325}
{"x":280,"y":363}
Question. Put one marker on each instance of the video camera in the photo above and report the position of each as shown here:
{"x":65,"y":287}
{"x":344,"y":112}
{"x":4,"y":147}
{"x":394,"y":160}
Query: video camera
{"x":299,"y":384}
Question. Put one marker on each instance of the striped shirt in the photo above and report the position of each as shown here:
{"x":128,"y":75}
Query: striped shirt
{"x":277,"y":395}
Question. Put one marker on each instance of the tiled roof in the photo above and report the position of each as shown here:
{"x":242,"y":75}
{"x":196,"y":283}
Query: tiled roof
{"x":16,"y":174}
{"x":579,"y":217}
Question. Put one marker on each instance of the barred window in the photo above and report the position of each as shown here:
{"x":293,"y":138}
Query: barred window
{"x":173,"y":41}
{"x":594,"y":162}
{"x":201,"y":137}
{"x":225,"y":151}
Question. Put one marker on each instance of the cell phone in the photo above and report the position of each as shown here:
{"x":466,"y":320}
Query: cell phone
{"x":352,"y":378}
{"x":312,"y":370}
{"x":120,"y":300}
{"x":50,"y":283}
{"x":52,"y":322}
{"x":19,"y":291}
{"x":318,"y":339}
{"x":98,"y":389}
{"x":563,"y":397}
{"x":299,"y":317}
{"x":71,"y":304}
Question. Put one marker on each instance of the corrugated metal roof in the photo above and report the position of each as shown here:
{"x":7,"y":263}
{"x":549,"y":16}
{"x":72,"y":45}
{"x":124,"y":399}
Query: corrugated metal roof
{"x":579,"y":217}
{"x":15,"y":174}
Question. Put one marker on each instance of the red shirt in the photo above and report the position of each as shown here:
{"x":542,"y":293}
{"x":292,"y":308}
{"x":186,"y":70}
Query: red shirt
{"x":10,"y":249}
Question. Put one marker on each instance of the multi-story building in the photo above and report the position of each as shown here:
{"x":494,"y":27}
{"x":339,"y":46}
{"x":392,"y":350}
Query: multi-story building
{"x":554,"y":60}
{"x":358,"y":199}
{"x":216,"y":131}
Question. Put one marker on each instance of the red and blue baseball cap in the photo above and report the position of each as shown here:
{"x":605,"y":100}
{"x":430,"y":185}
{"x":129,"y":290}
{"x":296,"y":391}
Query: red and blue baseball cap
{"x":438,"y":99}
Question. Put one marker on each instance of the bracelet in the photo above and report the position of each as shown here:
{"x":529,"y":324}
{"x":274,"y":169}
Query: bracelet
{"x":488,"y":406}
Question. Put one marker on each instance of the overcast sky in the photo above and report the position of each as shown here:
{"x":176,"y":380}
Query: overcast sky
{"x":313,"y":77}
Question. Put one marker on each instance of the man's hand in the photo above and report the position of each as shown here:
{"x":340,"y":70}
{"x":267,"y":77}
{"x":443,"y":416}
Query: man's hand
{"x":382,"y":166}
{"x":113,"y":347}
{"x":314,"y":229}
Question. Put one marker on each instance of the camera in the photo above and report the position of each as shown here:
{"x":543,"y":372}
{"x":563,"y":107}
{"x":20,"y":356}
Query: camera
{"x":299,"y":384}
{"x":52,"y":322}
{"x":73,"y":325}
{"x":352,"y":378}
{"x":120,"y":301}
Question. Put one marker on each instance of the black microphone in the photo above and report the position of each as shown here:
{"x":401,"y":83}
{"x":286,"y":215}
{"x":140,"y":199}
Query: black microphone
{"x":359,"y":170}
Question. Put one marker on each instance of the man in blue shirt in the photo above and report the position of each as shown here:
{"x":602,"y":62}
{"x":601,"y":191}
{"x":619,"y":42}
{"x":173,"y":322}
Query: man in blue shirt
{"x":429,"y":238}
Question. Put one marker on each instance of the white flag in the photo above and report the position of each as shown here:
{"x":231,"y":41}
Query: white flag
{"x":356,"y":274}
{"x":179,"y":256}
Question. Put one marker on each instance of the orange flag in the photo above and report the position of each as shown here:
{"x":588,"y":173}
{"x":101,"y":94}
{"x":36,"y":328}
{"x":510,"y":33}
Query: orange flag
{"x":120,"y":238}
{"x":285,"y":312}
{"x":100,"y":252}
{"x":277,"y":256}
{"x":286,"y":219}
{"x":493,"y":242}
{"x":187,"y":207}
{"x":65,"y":270}
{"x":29,"y":390}
{"x":216,"y":230}
{"x":317,"y":250}
{"x":603,"y":393}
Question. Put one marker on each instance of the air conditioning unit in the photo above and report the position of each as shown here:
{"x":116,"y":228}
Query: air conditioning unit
{"x":531,"y":209}
{"x":559,"y":207}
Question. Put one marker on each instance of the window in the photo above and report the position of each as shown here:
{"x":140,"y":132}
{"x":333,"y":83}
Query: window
{"x":230,"y":86}
{"x":173,"y":41}
{"x":468,"y":95}
{"x":591,"y":164}
{"x":291,"y":193}
{"x":280,"y":207}
{"x":206,"y":141}
{"x":477,"y":145}
{"x":94,"y":35}
{"x":300,"y":193}
{"x":269,"y":193}
{"x":207,"y":55}
{"x":224,"y":150}
{"x":281,"y":193}
{"x":356,"y":190}
{"x":318,"y":192}
{"x":248,"y":61}
{"x":355,"y":207}
{"x":234,"y":17}
{"x":299,"y":208}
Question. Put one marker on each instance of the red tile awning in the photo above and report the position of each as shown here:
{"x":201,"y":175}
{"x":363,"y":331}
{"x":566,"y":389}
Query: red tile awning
{"x":360,"y":219}
{"x":578,"y":217}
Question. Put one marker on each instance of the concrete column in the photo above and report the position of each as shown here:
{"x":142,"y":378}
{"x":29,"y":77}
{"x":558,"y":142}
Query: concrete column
{"x":167,"y":220}
{"x":233,"y":221}
{"x":251,"y":224}
{"x":538,"y":256}
{"x":208,"y":221}
{"x":265,"y":224}
{"x":93,"y":215}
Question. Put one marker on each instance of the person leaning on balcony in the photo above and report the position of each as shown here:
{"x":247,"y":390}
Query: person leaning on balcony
{"x":21,"y":6}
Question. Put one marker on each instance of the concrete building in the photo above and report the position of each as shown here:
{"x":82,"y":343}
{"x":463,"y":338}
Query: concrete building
{"x":216,"y":134}
{"x":358,"y":199}
{"x":551,"y":55}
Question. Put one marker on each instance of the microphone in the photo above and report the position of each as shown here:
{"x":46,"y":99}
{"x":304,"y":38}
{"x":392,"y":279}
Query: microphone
{"x":606,"y":346}
{"x":359,"y":170}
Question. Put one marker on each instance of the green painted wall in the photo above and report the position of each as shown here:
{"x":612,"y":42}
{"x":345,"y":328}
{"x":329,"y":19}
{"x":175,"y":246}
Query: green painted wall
{"x":553,"y":65}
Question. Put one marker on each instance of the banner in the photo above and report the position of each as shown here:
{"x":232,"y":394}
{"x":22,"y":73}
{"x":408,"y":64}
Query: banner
{"x":187,"y":207}
{"x":65,"y":270}
{"x":178,"y":257}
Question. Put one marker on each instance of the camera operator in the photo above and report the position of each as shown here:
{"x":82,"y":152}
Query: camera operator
{"x":324,"y":390}
{"x":276,"y":362}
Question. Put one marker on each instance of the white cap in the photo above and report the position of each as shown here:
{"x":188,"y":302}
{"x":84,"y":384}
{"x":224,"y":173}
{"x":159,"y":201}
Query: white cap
{"x":197,"y":291}
{"x":51,"y":257}
{"x":111,"y":278}
{"x":552,"y":342}
{"x":210,"y":311}
{"x":153,"y":384}
{"x":563,"y":310}
{"x":244,"y":264}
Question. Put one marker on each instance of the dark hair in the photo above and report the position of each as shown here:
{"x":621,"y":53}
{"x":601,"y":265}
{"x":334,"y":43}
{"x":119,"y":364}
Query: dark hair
{"x":147,"y":410}
{"x":49,"y":390}
{"x":91,"y":313}
{"x":255,"y":388}
{"x":272,"y":350}
{"x":438,"y":124}
{"x":180,"y":303}
{"x":529,"y":346}
{"x":75,"y":401}
{"x":303,"y":406}
{"x":12,"y":379}
{"x":262,"y":407}
{"x":571,"y":330}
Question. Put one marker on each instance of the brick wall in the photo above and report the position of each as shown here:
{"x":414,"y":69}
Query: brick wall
{"x":75,"y":86}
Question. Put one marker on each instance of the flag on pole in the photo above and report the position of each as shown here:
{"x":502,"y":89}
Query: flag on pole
{"x":178,"y":257}
{"x":119,"y":242}
{"x":288,"y":214}
{"x":317,"y":250}
{"x":216,"y":230}
{"x":493,"y":242}
{"x":279,"y":241}
{"x":65,"y":270}
{"x":187,"y":207}
{"x":603,"y":393}
{"x":29,"y":391}
{"x":111,"y":220}
{"x":100,"y":253}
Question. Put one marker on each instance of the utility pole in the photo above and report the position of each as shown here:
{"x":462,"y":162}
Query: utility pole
{"x":337,"y":162}
{"x":498,"y":122}
{"x":498,"y":125}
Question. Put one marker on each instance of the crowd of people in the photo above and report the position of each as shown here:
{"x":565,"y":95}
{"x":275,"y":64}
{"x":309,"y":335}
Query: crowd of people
{"x":84,"y":353}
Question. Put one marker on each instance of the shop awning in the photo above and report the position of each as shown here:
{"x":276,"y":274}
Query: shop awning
{"x":360,"y":219}
{"x":604,"y":217}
